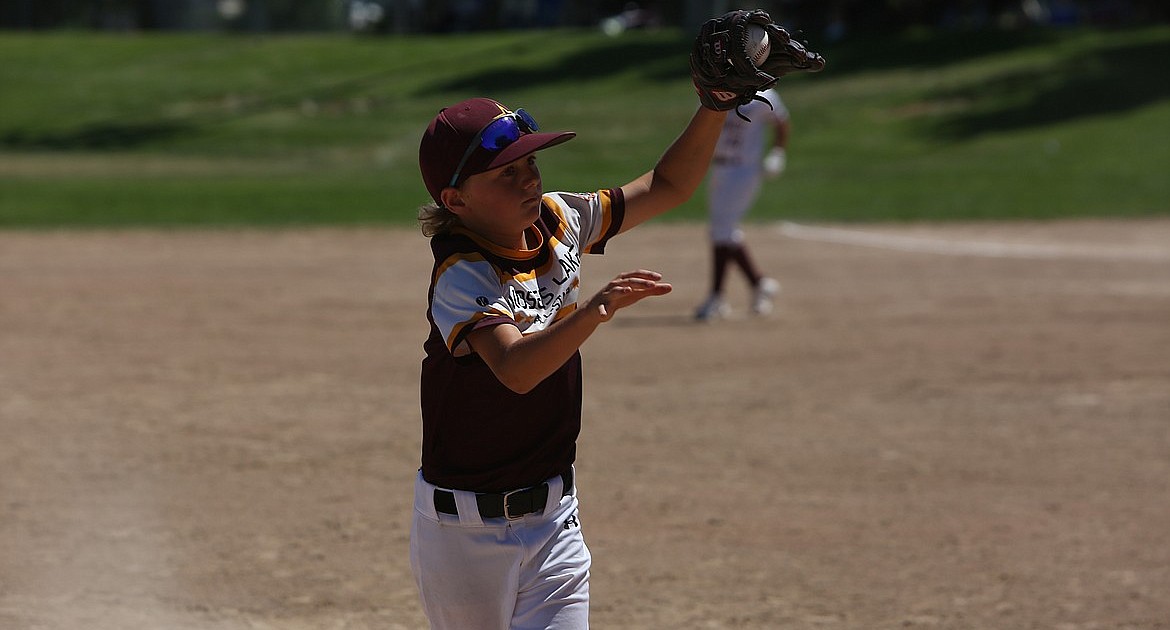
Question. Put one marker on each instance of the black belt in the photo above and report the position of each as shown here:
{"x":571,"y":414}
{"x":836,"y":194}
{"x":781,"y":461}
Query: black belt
{"x":511,"y":505}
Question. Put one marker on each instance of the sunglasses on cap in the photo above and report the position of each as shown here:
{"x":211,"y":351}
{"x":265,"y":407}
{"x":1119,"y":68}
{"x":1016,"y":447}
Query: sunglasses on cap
{"x":502,"y":131}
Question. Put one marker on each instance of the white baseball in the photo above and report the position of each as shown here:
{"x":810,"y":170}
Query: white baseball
{"x":758,"y":44}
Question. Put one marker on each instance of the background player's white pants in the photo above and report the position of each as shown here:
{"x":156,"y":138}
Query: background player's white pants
{"x":495,"y":574}
{"x":731,"y":191}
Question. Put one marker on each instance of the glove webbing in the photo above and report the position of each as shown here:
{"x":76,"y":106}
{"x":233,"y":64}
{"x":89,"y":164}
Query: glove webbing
{"x":755,"y":97}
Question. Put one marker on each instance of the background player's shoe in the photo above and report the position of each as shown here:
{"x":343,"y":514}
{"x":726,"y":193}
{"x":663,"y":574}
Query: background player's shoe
{"x":762,"y":297}
{"x":713,"y":308}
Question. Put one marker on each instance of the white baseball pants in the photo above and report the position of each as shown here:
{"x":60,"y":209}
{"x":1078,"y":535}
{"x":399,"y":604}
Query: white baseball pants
{"x":731,"y":191}
{"x":531,"y":573}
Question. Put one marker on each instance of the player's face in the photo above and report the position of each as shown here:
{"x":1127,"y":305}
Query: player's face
{"x":503,"y":202}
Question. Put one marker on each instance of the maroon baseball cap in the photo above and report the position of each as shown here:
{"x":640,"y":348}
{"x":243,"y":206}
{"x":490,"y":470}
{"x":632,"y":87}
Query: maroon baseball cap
{"x":454,"y":128}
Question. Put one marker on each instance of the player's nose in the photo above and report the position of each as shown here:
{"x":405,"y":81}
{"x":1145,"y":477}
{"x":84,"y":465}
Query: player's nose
{"x":529,"y":175}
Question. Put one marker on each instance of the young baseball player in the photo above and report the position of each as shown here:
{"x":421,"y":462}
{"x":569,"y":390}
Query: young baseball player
{"x":496,"y":540}
{"x":737,"y":172}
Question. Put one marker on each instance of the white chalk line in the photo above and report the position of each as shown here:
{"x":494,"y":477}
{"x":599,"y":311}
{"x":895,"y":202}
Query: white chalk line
{"x":986,"y":249}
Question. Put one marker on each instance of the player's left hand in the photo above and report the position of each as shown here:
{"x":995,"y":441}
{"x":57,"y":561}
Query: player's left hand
{"x":626,"y":289}
{"x":775,"y":162}
{"x":725,"y":76}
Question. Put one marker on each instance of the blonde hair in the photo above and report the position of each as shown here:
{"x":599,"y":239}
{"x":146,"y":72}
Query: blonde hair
{"x":435,"y":219}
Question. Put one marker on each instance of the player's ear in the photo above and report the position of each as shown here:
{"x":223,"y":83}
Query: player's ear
{"x":452,"y":199}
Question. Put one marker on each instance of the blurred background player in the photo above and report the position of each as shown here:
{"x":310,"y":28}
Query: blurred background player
{"x":736,"y":175}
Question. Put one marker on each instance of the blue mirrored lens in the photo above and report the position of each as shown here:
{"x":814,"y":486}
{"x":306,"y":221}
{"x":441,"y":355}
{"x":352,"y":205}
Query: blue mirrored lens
{"x":504,"y":131}
{"x":527,"y":120}
{"x":499,"y":134}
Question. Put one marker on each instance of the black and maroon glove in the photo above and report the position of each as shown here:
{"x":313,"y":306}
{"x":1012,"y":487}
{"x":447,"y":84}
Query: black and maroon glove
{"x":725,"y":75}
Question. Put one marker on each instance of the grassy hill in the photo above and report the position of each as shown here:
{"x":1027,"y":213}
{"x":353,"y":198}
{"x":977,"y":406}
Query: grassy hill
{"x":103,"y":130}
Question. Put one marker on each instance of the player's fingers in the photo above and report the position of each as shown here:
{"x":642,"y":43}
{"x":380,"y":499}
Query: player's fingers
{"x":654,"y":288}
{"x":645,"y":274}
{"x":640,"y":279}
{"x":640,"y":285}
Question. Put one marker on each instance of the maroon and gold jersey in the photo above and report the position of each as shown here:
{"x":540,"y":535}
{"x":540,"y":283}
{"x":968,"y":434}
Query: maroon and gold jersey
{"x":478,"y":434}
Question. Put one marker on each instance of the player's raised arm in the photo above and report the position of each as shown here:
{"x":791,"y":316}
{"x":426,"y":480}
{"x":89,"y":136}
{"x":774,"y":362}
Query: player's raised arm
{"x":678,"y":173}
{"x":734,"y":57}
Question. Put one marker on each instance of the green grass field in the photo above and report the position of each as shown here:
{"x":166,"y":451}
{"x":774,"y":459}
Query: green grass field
{"x":159,"y":130}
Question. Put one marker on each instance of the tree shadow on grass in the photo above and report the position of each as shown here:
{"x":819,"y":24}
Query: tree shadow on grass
{"x":930,"y":50}
{"x":658,"y":60}
{"x":1105,"y":82}
{"x":664,"y":59}
{"x":97,"y":136}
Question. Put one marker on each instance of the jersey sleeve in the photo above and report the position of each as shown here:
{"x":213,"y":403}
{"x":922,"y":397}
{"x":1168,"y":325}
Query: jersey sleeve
{"x":591,"y":218}
{"x":468,"y":295}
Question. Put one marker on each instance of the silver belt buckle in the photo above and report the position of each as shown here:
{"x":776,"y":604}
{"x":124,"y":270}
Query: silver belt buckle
{"x":507,"y":510}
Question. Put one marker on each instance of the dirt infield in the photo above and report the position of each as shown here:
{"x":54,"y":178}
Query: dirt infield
{"x":951,"y":426}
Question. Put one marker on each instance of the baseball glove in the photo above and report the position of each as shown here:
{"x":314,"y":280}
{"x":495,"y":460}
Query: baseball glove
{"x":722,"y":70}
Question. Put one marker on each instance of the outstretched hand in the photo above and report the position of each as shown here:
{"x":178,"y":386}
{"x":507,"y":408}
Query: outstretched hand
{"x":626,"y":289}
